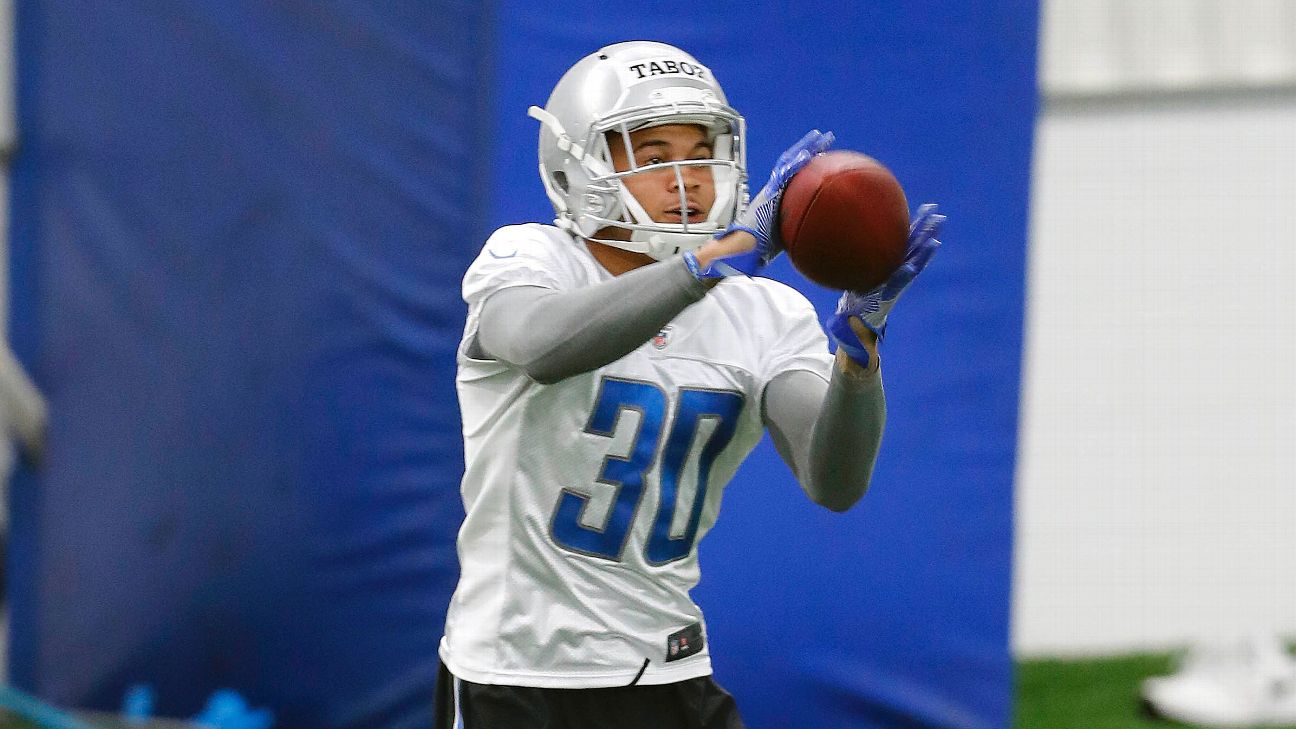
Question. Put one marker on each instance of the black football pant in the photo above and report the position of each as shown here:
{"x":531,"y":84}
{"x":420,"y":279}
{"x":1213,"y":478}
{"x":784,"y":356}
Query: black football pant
{"x":697,"y":703}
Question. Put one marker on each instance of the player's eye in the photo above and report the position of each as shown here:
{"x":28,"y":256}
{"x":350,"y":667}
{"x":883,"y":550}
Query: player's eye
{"x":654,"y":160}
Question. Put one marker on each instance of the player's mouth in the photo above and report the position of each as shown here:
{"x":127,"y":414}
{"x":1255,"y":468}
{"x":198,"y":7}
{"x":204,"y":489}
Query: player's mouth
{"x":676,"y":215}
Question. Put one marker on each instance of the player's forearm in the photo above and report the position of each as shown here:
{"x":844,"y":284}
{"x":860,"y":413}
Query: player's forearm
{"x":829,"y":433}
{"x":552,"y":335}
{"x":846,"y":438}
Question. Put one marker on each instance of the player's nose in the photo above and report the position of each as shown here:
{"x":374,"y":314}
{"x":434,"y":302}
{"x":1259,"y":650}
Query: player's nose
{"x":691,"y":176}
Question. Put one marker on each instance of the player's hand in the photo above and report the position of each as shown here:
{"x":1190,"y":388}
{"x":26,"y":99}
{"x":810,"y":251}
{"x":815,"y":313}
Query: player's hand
{"x":872,"y":307}
{"x":760,"y":218}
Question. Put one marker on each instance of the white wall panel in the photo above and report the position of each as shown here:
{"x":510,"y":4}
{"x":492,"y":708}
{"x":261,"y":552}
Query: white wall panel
{"x":1102,"y":47}
{"x":1157,"y":465}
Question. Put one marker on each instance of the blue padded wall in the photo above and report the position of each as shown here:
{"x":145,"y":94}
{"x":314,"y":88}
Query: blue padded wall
{"x":237,"y":236}
{"x":239,"y":229}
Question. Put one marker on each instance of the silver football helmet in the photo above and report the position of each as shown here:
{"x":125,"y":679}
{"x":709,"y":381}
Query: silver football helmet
{"x":600,"y":101}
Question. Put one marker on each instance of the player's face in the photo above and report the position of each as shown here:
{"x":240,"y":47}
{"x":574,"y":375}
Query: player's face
{"x":658,"y":191}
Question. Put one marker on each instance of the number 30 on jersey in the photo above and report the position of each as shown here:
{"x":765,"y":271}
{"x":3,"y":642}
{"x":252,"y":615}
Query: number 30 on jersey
{"x":628,"y":473}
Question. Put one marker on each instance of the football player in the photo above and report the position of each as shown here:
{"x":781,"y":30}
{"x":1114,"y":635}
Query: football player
{"x":615,"y":369}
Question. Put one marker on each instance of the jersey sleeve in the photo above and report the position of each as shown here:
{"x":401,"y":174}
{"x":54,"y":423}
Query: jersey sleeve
{"x":800,"y":343}
{"x":513,"y":256}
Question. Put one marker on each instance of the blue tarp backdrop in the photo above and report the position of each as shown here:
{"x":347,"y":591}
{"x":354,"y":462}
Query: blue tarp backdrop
{"x":237,"y":236}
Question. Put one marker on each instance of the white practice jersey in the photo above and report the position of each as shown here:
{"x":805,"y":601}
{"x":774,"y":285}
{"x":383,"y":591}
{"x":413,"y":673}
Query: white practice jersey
{"x":586,"y":498}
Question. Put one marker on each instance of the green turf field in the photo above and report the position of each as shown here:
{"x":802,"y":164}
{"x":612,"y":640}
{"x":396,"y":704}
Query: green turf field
{"x":1087,"y":694}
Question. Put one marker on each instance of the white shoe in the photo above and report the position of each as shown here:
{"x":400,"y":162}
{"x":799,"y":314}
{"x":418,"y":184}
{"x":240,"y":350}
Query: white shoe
{"x":1248,"y":684}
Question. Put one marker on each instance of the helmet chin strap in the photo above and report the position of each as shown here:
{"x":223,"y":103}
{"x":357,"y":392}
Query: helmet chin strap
{"x":662,"y":245}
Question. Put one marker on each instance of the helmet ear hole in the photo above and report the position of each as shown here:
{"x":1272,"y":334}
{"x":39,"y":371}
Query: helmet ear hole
{"x":560,"y":179}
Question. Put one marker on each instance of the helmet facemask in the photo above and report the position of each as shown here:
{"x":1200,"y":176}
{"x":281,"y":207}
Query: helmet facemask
{"x":610,"y":203}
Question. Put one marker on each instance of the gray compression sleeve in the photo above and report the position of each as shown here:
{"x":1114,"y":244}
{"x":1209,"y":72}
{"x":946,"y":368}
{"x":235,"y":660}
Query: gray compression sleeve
{"x":552,"y":335}
{"x":829,"y":433}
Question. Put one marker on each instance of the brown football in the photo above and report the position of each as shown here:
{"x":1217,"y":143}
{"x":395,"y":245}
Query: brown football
{"x":844,"y":221}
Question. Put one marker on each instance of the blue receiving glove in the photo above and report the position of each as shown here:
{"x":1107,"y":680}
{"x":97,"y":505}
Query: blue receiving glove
{"x":872,"y":307}
{"x":761,"y":216}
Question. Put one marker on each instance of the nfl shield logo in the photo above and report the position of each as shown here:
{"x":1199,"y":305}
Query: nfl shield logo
{"x":662,"y":338}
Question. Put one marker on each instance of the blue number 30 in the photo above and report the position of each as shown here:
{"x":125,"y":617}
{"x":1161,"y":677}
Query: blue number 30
{"x":627,"y":472}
